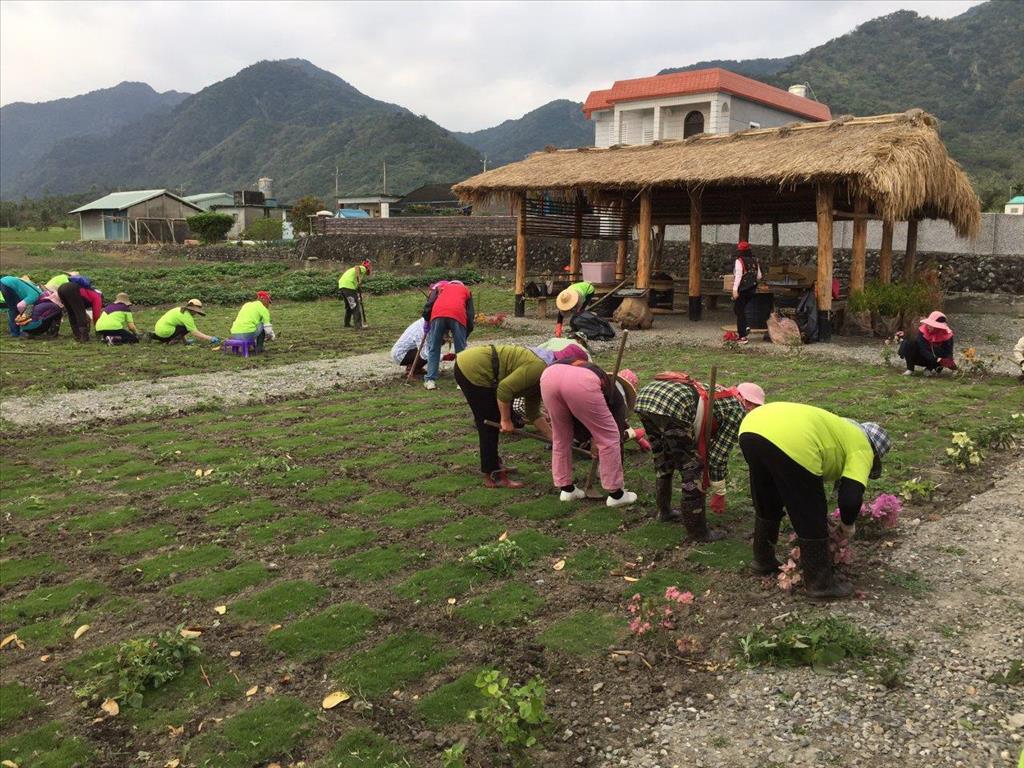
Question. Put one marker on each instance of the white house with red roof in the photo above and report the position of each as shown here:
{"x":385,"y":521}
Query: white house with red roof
{"x":684,"y":104}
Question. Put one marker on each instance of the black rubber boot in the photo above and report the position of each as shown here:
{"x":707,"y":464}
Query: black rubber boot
{"x":820,"y":582}
{"x":766,"y":536}
{"x":697,"y":528}
{"x":663,"y":500}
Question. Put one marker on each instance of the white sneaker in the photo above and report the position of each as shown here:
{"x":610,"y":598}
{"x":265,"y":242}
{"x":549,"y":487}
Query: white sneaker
{"x":430,"y":384}
{"x":575,"y":494}
{"x":627,"y":498}
{"x":908,"y":373}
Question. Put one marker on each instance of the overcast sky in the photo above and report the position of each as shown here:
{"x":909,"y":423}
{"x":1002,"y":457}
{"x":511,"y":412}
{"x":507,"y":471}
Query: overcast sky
{"x":465,"y":65}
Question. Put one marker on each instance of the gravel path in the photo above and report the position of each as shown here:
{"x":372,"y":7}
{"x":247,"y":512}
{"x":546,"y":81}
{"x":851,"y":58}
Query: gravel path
{"x":966,"y":629}
{"x":179,"y":394}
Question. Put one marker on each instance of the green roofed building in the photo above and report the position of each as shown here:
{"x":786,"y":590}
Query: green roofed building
{"x":141,"y":216}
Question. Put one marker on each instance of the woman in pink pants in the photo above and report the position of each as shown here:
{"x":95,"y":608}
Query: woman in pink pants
{"x":582,"y":391}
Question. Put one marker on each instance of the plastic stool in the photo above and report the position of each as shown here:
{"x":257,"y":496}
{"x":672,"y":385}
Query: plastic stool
{"x":239,"y":346}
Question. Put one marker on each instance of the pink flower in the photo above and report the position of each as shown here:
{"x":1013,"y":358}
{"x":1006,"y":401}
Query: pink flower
{"x":788,"y":576}
{"x":887,"y":508}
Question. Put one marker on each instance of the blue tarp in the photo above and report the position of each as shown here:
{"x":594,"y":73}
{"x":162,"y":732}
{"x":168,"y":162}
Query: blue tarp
{"x":351,"y":213}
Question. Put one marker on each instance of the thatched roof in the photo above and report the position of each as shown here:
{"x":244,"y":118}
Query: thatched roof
{"x":898,"y":161}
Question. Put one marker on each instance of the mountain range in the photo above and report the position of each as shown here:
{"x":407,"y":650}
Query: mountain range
{"x":297,"y":123}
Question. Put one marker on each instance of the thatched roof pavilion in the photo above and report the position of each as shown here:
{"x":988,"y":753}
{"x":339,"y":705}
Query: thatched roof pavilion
{"x":888,"y":167}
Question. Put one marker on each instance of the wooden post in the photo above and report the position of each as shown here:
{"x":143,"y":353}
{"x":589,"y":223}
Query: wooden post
{"x":885,"y":254}
{"x":695,"y":255}
{"x":858,"y":254}
{"x":659,"y":246}
{"x":622,"y":247}
{"x":911,"y":254}
{"x":643,"y":250}
{"x":744,"y":218}
{"x":775,"y":242}
{"x":520,"y":305}
{"x":575,"y":271}
{"x":824,"y":197}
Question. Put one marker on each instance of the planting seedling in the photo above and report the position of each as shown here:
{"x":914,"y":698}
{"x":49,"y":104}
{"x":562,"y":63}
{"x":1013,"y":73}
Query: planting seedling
{"x":513,"y":716}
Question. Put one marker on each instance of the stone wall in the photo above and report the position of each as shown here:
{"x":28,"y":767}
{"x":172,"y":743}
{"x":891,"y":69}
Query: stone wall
{"x":965,"y":272}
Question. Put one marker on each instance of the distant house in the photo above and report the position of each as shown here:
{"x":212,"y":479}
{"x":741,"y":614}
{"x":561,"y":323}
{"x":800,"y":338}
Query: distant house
{"x":247,"y":206}
{"x":378,"y":206}
{"x":434,"y":196}
{"x":1015,"y":205}
{"x":684,"y":104}
{"x":143,"y":216}
{"x":207,"y":200}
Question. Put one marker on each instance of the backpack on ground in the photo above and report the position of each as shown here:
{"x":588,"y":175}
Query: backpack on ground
{"x":592,"y":326}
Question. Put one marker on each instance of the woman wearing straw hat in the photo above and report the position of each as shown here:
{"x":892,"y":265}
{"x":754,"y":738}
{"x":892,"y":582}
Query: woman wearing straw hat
{"x":116,"y":324}
{"x":176,"y":324}
{"x":794,"y":450}
{"x":674,"y":409}
{"x":581,"y":391}
{"x":932,"y":349}
{"x":572,"y":301}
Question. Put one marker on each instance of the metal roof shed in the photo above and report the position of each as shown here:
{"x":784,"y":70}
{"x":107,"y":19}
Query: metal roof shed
{"x":139,"y":216}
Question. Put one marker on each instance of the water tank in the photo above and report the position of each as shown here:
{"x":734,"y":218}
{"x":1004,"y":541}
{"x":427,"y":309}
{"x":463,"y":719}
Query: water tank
{"x":266,"y":186}
{"x":796,"y":90}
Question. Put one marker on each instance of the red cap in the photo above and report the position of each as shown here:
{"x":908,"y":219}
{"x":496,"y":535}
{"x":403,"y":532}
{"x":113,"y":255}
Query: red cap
{"x":368,"y":265}
{"x":742,"y":245}
{"x":263,"y":296}
{"x":567,"y":268}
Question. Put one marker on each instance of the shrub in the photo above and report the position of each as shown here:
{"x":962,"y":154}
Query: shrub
{"x":210,"y":227}
{"x":820,"y":643}
{"x":513,"y":716}
{"x":264,"y":229}
{"x":893,"y":299}
{"x":501,"y":557}
{"x":304,"y":208}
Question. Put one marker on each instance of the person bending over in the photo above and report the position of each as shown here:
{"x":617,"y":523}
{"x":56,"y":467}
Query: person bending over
{"x":178,"y":324}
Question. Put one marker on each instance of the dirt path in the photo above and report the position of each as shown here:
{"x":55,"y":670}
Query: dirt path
{"x":968,"y":627}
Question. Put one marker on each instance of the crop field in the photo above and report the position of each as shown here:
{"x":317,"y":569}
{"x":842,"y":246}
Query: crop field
{"x":321,"y":545}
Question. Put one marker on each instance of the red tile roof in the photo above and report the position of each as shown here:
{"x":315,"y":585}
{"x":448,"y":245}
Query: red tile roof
{"x":706,"y":81}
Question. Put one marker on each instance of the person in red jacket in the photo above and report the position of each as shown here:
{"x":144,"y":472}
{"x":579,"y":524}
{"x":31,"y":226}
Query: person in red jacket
{"x":449,"y":309}
{"x":74,"y":294}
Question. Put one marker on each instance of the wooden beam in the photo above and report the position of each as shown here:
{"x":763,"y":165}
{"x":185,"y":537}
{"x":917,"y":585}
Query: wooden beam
{"x":885,"y":254}
{"x":622,"y":247}
{"x":520,"y":305}
{"x":659,"y":246}
{"x":745,"y":218}
{"x":858,"y":255}
{"x":695,"y":255}
{"x":823,"y":283}
{"x":575,"y":246}
{"x":775,"y":242}
{"x":911,"y":253}
{"x":643,"y":251}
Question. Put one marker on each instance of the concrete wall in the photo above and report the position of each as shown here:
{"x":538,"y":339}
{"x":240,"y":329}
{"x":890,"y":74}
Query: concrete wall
{"x":1000,"y":235}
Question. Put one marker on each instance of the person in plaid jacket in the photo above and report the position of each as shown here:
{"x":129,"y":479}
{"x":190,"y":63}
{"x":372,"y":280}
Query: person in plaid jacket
{"x":673,"y":409}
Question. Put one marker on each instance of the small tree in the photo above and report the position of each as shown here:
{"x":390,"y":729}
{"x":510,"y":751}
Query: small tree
{"x":304,"y":208}
{"x":210,"y":227}
{"x":263,"y":229}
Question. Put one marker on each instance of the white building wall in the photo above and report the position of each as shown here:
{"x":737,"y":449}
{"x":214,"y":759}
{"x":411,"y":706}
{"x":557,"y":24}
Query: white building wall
{"x":632,"y":129}
{"x":604,"y":122}
{"x":91,"y":225}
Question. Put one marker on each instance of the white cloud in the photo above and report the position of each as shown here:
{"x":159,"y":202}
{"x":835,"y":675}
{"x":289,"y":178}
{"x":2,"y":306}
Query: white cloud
{"x":467,"y":65}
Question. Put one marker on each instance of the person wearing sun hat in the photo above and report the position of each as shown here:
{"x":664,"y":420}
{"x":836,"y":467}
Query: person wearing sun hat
{"x":673,"y":409}
{"x":580,"y":392}
{"x":572,"y":301}
{"x":116,"y":324}
{"x":178,"y":323}
{"x":794,"y":451}
{"x":932,"y":348}
{"x":253,"y":321}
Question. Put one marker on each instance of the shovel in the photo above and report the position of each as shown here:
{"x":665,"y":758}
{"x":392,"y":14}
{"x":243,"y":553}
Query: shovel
{"x":706,"y":426}
{"x":593,"y":493}
{"x":535,"y":436}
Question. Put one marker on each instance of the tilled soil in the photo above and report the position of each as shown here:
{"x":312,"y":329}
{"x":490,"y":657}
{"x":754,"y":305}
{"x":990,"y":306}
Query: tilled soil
{"x":947,"y":711}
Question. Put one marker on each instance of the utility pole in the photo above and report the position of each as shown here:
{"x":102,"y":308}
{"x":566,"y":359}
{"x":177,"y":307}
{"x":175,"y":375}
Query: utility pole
{"x":385,"y":177}
{"x":485,"y":162}
{"x":335,"y":181}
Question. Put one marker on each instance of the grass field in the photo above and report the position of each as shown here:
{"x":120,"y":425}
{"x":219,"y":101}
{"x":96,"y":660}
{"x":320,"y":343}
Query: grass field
{"x":11,"y":236}
{"x":335,"y":532}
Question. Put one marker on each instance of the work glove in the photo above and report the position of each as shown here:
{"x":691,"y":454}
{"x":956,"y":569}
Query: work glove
{"x":718,"y":504}
{"x":269,"y":330}
{"x":847,"y":530}
{"x":558,"y":330}
{"x":947,"y":362}
{"x":448,"y":357}
{"x":214,"y":341}
{"x":645,"y":444}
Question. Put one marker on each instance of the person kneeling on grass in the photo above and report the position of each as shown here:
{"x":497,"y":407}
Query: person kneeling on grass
{"x":176,"y":324}
{"x":253,"y":321}
{"x":490,"y":378}
{"x":578,"y":390}
{"x":932,"y":348}
{"x":792,"y":450}
{"x":412,"y":348}
{"x":116,"y":324}
{"x":674,"y":410}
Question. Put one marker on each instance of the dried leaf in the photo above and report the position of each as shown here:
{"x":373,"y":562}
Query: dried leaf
{"x":199,"y":473}
{"x":176,"y":730}
{"x":12,"y":638}
{"x":220,"y":609}
{"x":110,"y":707}
{"x":172,"y":763}
{"x":81,"y":631}
{"x":503,"y":536}
{"x":252,"y":691}
{"x":630,"y":578}
{"x":332,"y":700}
{"x":451,"y":601}
{"x":190,"y":634}
{"x":274,"y":628}
{"x":559,"y":565}
{"x":235,"y":654}
{"x":9,"y":764}
{"x":208,"y":472}
{"x":44,"y":658}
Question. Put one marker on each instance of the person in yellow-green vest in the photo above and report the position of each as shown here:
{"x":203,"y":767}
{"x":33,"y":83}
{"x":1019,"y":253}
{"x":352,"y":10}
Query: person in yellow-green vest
{"x":572,"y":301}
{"x":350,"y":286}
{"x":253,"y":321}
{"x":178,"y":323}
{"x":116,"y":324}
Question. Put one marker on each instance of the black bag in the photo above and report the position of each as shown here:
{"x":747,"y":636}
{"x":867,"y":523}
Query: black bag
{"x":807,"y":317}
{"x":592,"y":326}
{"x":748,"y":280}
